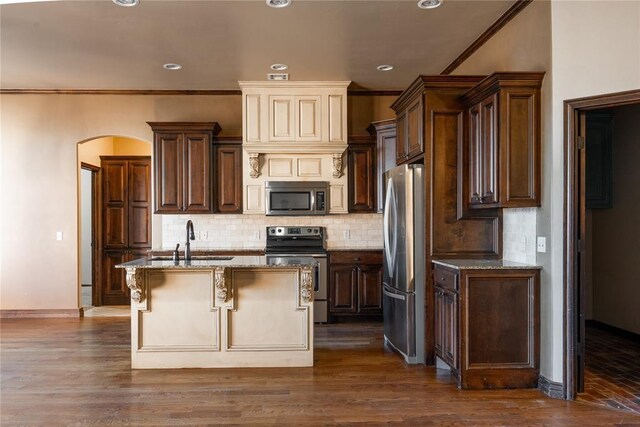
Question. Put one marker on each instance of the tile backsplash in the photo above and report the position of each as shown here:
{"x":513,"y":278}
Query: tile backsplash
{"x":361,"y":231}
{"x":519,"y":235}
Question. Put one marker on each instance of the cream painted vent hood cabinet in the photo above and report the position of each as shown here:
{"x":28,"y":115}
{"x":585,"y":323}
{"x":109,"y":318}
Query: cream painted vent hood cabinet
{"x":294,"y":131}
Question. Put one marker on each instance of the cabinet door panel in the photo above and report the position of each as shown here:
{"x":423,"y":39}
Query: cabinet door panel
{"x":114,"y":184}
{"x":475,"y":155}
{"x":401,"y":143}
{"x":362,"y":182}
{"x":450,"y":328}
{"x":370,"y":289}
{"x":168,"y":172}
{"x":114,"y":284}
{"x":343,"y":289}
{"x":385,"y":159}
{"x":439,"y":322}
{"x":197,"y":176}
{"x":228,"y":194}
{"x":414,"y":129}
{"x":281,"y":118}
{"x":139,"y":204}
{"x":308,"y":118}
{"x":489,"y":147}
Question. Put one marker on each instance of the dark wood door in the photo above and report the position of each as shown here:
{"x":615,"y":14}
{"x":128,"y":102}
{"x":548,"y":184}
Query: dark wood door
{"x":362,"y":177}
{"x":343,"y":292}
{"x":168,"y":169}
{"x":370,"y":289}
{"x":228,"y":194}
{"x":197,"y":172}
{"x":439,"y":322}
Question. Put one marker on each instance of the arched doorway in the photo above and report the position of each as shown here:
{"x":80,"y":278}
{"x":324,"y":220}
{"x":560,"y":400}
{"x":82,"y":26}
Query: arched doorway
{"x":103,"y":218}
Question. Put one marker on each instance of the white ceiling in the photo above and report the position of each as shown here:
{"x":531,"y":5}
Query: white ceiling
{"x":98,"y":45}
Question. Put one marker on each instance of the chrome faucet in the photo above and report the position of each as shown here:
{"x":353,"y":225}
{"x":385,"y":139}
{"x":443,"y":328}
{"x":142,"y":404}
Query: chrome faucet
{"x":190,"y":236}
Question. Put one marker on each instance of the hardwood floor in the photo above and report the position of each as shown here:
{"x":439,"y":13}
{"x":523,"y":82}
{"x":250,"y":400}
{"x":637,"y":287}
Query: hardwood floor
{"x":77,"y":372}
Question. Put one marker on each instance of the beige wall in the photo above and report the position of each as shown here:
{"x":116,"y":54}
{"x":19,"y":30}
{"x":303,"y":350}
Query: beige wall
{"x":39,"y":177}
{"x":616,"y":231}
{"x":600,"y":55}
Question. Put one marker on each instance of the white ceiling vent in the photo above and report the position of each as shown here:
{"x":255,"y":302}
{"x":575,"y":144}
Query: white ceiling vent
{"x":277,"y":76}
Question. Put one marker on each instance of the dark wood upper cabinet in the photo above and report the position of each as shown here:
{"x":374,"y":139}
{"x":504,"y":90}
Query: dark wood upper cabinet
{"x":228,"y":176}
{"x":385,"y":133}
{"x":503,"y":148}
{"x":183,"y":166}
{"x":409,"y":141}
{"x":362,"y":174}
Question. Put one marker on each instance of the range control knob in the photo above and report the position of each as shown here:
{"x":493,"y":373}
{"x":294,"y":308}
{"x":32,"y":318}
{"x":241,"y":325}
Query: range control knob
{"x":272,"y":230}
{"x":279,"y":230}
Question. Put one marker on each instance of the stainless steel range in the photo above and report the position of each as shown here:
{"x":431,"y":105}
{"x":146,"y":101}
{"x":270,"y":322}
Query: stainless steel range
{"x":295,"y":242}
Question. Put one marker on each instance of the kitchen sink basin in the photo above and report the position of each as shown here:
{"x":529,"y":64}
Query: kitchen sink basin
{"x":193,"y":258}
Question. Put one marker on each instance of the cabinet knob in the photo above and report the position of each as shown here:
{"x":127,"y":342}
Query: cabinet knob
{"x":442,"y":278}
{"x":356,"y":259}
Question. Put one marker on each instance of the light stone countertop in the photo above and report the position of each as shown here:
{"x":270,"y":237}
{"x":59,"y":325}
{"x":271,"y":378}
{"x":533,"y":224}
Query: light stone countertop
{"x":205,"y":262}
{"x":484,"y":264}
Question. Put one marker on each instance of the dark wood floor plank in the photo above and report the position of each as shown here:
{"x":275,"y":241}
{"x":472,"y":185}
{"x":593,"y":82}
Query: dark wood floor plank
{"x":77,"y":372}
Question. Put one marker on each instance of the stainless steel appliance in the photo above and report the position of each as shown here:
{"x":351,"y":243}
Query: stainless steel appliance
{"x":404,"y":262}
{"x":296,"y":242}
{"x":296,"y":197}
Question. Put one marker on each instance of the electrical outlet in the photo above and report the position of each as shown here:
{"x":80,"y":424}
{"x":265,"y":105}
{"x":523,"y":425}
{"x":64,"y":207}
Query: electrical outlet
{"x":256,"y":235}
{"x":541,"y":244}
{"x":523,"y":244}
{"x":346,"y":235}
{"x":204,"y":235}
{"x":59,"y":235}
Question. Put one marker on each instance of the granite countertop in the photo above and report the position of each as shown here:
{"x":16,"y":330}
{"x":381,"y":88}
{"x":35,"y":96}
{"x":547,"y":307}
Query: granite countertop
{"x":205,"y":262}
{"x":483,"y":264}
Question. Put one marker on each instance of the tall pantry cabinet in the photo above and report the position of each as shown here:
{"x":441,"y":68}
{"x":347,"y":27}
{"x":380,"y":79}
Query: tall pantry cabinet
{"x":126,"y":221}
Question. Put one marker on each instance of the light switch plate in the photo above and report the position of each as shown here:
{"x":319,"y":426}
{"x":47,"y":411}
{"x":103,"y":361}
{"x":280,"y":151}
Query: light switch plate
{"x":347,"y":235}
{"x":59,"y":235}
{"x":541,"y":244}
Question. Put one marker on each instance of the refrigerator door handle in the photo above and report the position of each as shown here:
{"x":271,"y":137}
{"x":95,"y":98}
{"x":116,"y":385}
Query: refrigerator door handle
{"x":394,"y":296}
{"x":389,"y":241}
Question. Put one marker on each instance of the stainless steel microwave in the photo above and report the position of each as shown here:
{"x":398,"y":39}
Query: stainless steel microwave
{"x":296,"y":198}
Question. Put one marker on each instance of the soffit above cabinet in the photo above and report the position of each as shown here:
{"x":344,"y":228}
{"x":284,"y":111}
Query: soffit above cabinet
{"x":294,"y":117}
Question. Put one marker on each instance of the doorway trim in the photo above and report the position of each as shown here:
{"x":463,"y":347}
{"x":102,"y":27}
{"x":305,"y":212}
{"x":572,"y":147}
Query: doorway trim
{"x":95,"y":231}
{"x":574,"y":209}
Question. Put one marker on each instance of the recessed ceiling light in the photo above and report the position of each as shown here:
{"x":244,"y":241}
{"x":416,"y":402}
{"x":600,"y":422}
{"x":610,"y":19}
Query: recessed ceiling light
{"x":278,"y":3}
{"x":126,"y":3}
{"x":429,"y":4}
{"x":279,"y":67}
{"x":172,"y":66}
{"x":385,"y":67}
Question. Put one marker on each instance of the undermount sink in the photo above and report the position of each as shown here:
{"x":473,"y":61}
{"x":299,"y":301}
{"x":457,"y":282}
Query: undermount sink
{"x":193,"y":258}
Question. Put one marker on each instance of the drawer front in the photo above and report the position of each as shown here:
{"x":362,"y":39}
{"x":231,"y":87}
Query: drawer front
{"x":356,"y":257}
{"x":445,"y":278}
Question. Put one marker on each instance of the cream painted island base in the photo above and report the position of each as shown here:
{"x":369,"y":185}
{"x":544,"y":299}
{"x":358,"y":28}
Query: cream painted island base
{"x":220,"y":314}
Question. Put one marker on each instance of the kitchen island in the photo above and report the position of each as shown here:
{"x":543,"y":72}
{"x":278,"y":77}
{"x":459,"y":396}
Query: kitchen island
{"x":241,"y":311}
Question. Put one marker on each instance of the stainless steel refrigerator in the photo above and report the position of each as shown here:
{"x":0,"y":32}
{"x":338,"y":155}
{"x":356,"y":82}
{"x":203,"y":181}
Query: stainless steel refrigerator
{"x":404,"y":262}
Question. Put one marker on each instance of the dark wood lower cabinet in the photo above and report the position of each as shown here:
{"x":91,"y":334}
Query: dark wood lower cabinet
{"x":488,"y":325}
{"x":355,"y":284}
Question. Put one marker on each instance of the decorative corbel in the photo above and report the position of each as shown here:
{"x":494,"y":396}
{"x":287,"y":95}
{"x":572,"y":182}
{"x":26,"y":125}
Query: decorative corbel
{"x":337,"y":165}
{"x":134,"y":282}
{"x":221,"y":284}
{"x":306,"y":284}
{"x":254,"y":165}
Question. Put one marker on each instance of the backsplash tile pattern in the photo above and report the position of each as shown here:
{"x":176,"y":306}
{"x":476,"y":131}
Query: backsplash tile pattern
{"x":239,"y":231}
{"x":519,"y":235}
